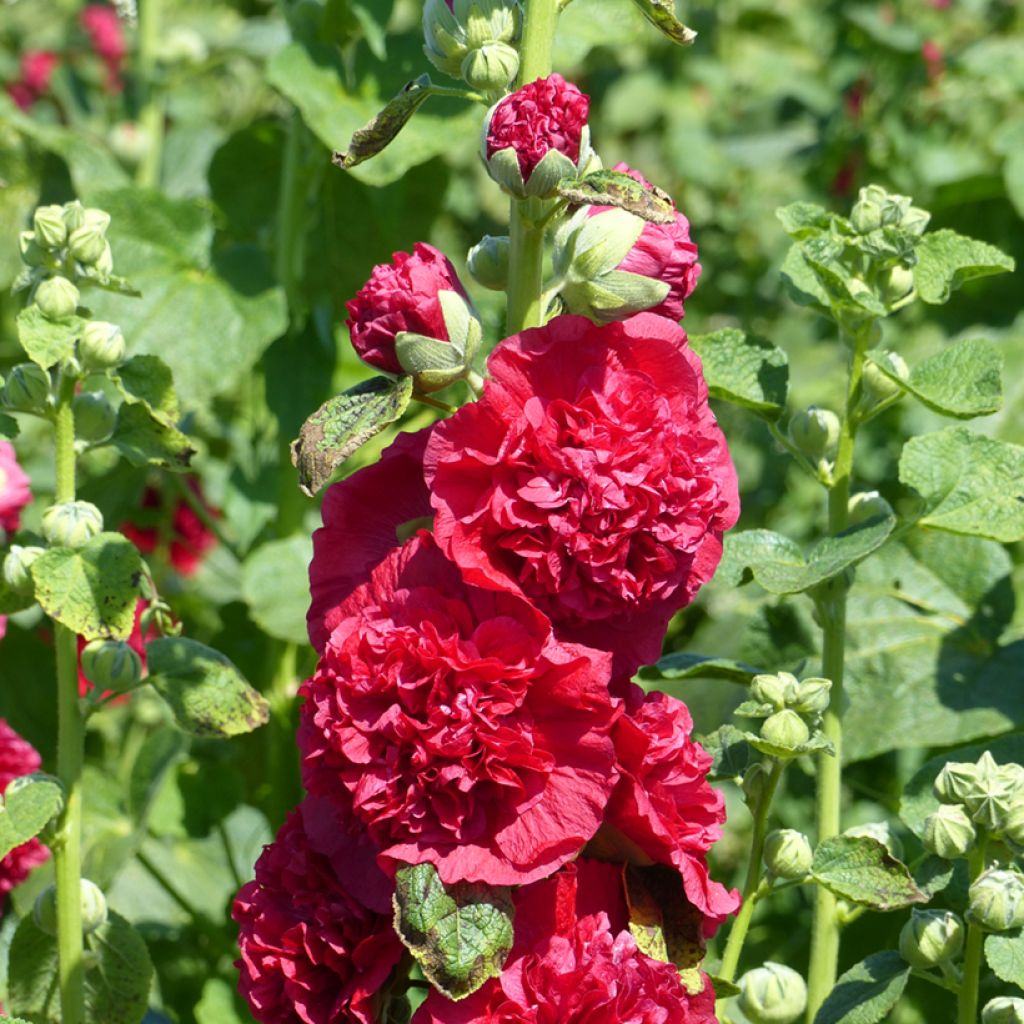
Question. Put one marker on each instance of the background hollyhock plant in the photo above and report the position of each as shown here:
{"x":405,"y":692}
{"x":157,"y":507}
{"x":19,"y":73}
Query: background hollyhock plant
{"x":167,"y":519}
{"x":537,"y":136}
{"x":315,"y":934}
{"x":37,"y":68}
{"x":467,"y":736}
{"x":591,"y":477}
{"x":574,"y":962}
{"x":17,"y":758}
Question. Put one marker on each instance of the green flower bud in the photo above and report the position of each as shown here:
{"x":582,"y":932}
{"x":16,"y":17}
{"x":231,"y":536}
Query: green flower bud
{"x":778,"y":690}
{"x":71,"y":524}
{"x":753,"y":785}
{"x":815,"y":432}
{"x":988,"y":800}
{"x":101,"y":346}
{"x":1003,"y":1010}
{"x":491,"y":68}
{"x":931,"y":938}
{"x":88,"y":242}
{"x":812,"y":696}
{"x":105,"y":264}
{"x":488,"y":262}
{"x":880,"y":831}
{"x":95,"y":416}
{"x":48,"y":223}
{"x":93,"y":903}
{"x":787,"y":853}
{"x":898,"y":285}
{"x":867,"y":505}
{"x":435,"y":364}
{"x":773,"y":994}
{"x":57,"y":297}
{"x":32,"y":253}
{"x":452,"y":35}
{"x":18,"y":568}
{"x":949,"y":832}
{"x":866,"y":215}
{"x":954,"y":780}
{"x":74,"y":215}
{"x":111,"y":665}
{"x":996,"y":900}
{"x":915,"y":220}
{"x":877,"y":386}
{"x":785,"y":729}
{"x":27,"y":388}
{"x":1013,"y":826}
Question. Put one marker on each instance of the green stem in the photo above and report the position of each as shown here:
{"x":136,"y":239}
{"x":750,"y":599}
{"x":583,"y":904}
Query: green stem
{"x":151,"y":117}
{"x":538,"y":40}
{"x":740,"y":927}
{"x":967,"y":1000}
{"x":67,"y":846}
{"x":831,"y":602}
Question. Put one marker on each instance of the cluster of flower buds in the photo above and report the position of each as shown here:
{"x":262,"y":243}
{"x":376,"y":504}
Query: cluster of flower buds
{"x":772,"y":994}
{"x":791,"y":711}
{"x":876,"y":209}
{"x":474,"y":40}
{"x":932,"y":938}
{"x":984,"y":795}
{"x":1003,"y":1010}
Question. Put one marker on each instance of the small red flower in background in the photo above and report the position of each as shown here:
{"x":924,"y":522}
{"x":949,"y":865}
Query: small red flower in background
{"x":401,"y":296}
{"x":590,"y":477}
{"x":547,"y":114}
{"x":106,"y":36}
{"x":315,"y":925}
{"x":466,"y":735}
{"x":37,"y":67}
{"x":575,"y":962}
{"x":934,"y":59}
{"x":189,"y":540}
{"x":18,"y":757}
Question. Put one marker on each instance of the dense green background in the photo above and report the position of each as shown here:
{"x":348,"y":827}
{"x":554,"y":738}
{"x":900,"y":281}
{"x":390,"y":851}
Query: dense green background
{"x":253,"y":242}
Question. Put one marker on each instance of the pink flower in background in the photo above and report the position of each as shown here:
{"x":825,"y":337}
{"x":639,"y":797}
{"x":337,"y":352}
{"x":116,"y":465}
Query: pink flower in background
{"x":14,"y":488}
{"x":316,"y":938}
{"x":590,"y":477}
{"x":37,"y":67}
{"x":575,"y":962}
{"x":188,"y":538}
{"x":106,"y":37}
{"x":466,"y":735}
{"x":18,"y":757}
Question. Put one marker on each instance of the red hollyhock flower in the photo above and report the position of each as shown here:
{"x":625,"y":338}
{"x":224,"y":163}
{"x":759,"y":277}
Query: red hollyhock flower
{"x":591,"y":477}
{"x":188,"y":538}
{"x":401,"y":296}
{"x":315,"y":949}
{"x":37,"y":67}
{"x":664,"y":252}
{"x":664,"y":810}
{"x":466,"y":735}
{"x":18,"y":757}
{"x":14,"y":488}
{"x":362,"y":515}
{"x":574,"y":962}
{"x":547,"y":114}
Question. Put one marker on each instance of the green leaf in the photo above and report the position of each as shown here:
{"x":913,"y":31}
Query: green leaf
{"x":45,"y":341}
{"x":10,"y":600}
{"x":933,"y":875}
{"x":778,"y":565}
{"x":217,"y":1005}
{"x":745,"y":370}
{"x":945,"y":260}
{"x":963,"y":381}
{"x":615,"y":188}
{"x":8,"y":426}
{"x":92,"y":590}
{"x":684,"y":665}
{"x":730,"y":751}
{"x":30,"y":803}
{"x":460,"y":934}
{"x":663,"y":921}
{"x":863,"y":871}
{"x":970,"y":484}
{"x":802,"y":283}
{"x":146,"y":441}
{"x":275,"y":586}
{"x":804,"y":220}
{"x":661,"y":14}
{"x":345,"y":422}
{"x":116,"y":986}
{"x":867,"y":991}
{"x":1005,"y":955}
{"x":160,"y":753}
{"x":384,"y":126}
{"x":206,"y":692}
{"x":148,"y":380}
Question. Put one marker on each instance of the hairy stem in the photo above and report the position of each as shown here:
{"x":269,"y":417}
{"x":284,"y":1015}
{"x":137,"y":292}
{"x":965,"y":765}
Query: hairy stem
{"x":967,"y":1000}
{"x":151,"y":116}
{"x":67,"y":846}
{"x":831,"y":603}
{"x":740,"y":927}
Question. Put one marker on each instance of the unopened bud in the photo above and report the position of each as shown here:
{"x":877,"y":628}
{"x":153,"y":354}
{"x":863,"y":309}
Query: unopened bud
{"x":491,"y":68}
{"x":878,"y":387}
{"x":915,"y":220}
{"x":18,"y":568}
{"x":1013,"y":826}
{"x":101,"y":346}
{"x":867,"y":505}
{"x":897,"y":285}
{"x":488,"y":262}
{"x":866,"y":215}
{"x":954,"y":781}
{"x":453,"y":32}
{"x":755,"y":779}
{"x":433,"y":363}
{"x":949,"y":832}
{"x":812,"y":696}
{"x":48,"y":224}
{"x":57,"y":297}
{"x":71,"y":524}
{"x":87,"y":242}
{"x":111,"y":665}
{"x":786,"y":730}
{"x":74,"y":215}
{"x":27,"y":388}
{"x":996,"y":900}
{"x":931,"y":938}
{"x":1003,"y":1010}
{"x":773,"y":994}
{"x":787,"y":853}
{"x":95,"y":416}
{"x":778,"y":690}
{"x":988,"y":800}
{"x":815,"y":432}
{"x":93,"y":904}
